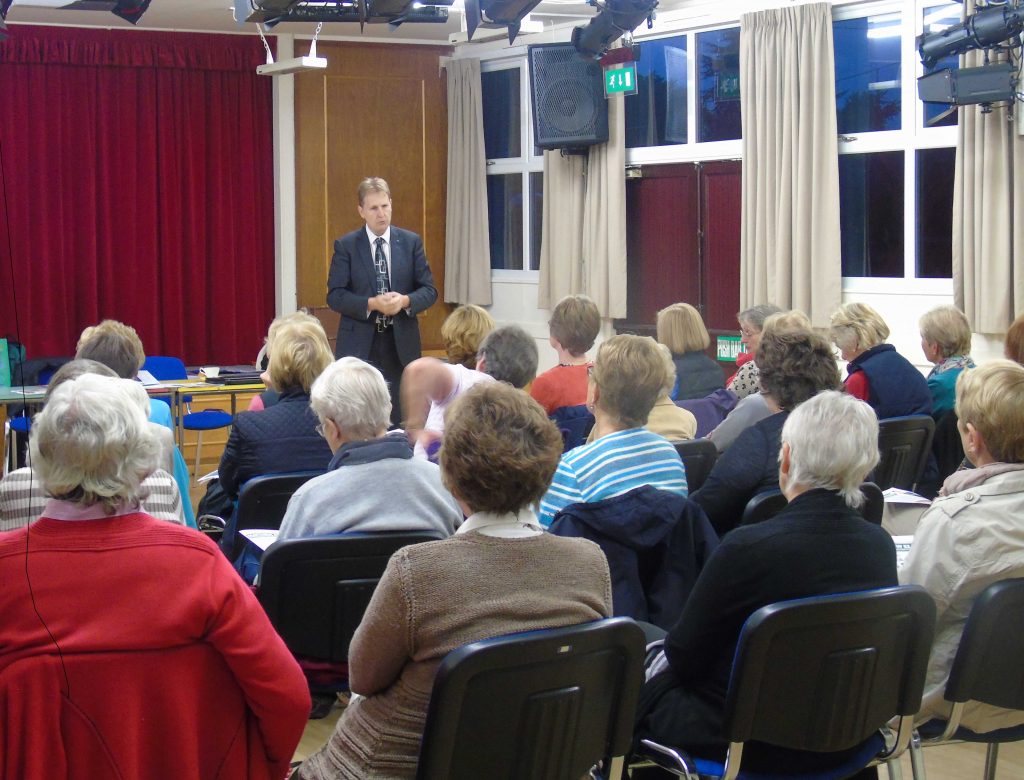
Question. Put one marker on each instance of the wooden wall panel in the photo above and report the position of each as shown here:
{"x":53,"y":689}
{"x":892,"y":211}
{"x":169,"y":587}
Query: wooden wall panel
{"x":378,"y":110}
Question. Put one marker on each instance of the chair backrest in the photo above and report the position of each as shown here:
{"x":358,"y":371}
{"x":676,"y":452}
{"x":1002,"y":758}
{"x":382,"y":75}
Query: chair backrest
{"x":987,"y":666}
{"x":164,"y":368}
{"x":763,"y":506}
{"x":575,"y":423}
{"x":542,"y":704}
{"x":698,"y":455}
{"x":262,"y":502}
{"x":822,"y":674}
{"x":316,"y":590}
{"x":948,"y":449}
{"x":904,"y":444}
{"x":874,"y":502}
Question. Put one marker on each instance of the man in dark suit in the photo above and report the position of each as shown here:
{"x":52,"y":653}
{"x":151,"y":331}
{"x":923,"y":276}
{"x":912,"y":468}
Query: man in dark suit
{"x":379,"y":280}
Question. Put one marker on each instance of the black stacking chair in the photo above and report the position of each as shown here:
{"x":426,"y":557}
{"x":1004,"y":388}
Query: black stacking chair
{"x":989,"y":668}
{"x":874,"y":502}
{"x":904,"y":444}
{"x":316,"y":590}
{"x":262,"y":502}
{"x":541,"y":704}
{"x":698,"y":455}
{"x":763,"y":506}
{"x":822,"y":675}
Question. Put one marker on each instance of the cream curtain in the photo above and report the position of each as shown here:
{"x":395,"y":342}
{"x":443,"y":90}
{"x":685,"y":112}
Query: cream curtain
{"x":467,"y":277}
{"x":988,"y":215}
{"x":789,"y":242}
{"x":583,"y":243}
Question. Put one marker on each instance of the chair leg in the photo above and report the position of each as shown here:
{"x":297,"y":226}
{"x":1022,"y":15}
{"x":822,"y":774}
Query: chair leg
{"x":199,"y":452}
{"x":894,"y":769}
{"x":917,"y":757}
{"x":991,"y":757}
{"x":615,"y":767}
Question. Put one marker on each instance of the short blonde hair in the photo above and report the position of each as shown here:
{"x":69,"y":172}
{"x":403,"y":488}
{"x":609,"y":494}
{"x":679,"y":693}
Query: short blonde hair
{"x":462,"y":332}
{"x":857,"y":326}
{"x":947,"y":328}
{"x":794,"y":319}
{"x":298,"y":351}
{"x":670,"y":368}
{"x":991,"y":398}
{"x":630,"y":374}
{"x":92,"y":444}
{"x":115,"y":345}
{"x":575,"y":322}
{"x":372,"y":184}
{"x":681,"y":329}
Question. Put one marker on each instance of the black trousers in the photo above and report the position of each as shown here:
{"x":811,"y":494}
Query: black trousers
{"x":384,"y":355}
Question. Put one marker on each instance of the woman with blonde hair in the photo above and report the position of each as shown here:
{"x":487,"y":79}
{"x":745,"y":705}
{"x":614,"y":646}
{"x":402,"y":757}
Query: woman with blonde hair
{"x":971,"y":536}
{"x":282,"y":437}
{"x":946,"y":342}
{"x":462,"y":332}
{"x":681,"y":329}
{"x":876,"y":372}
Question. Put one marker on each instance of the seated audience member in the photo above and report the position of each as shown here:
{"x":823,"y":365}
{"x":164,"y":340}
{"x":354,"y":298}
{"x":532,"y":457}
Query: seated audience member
{"x":626,"y":380}
{"x":574,"y":324}
{"x":499,"y":574}
{"x":754,"y":407}
{"x":508,"y":354}
{"x":877,"y":373}
{"x":1014,"y":346}
{"x":681,"y":329}
{"x":666,"y":419}
{"x":819,"y":544}
{"x":373,"y":483}
{"x":22,"y":498}
{"x":745,"y":381}
{"x":108,"y":578}
{"x":946,"y":342}
{"x":119,"y":348}
{"x":462,"y":331}
{"x":972,"y":534}
{"x":795,"y":365}
{"x":283,"y":437}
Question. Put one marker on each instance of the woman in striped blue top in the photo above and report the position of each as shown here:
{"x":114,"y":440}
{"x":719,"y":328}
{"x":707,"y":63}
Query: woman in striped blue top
{"x":625,"y":381}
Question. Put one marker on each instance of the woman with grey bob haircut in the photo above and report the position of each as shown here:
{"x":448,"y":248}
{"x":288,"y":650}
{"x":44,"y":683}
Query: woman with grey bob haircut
{"x":92,"y":444}
{"x":829,"y":441}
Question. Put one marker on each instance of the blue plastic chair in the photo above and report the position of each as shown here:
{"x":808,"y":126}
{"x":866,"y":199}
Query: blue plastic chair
{"x":173,"y":369}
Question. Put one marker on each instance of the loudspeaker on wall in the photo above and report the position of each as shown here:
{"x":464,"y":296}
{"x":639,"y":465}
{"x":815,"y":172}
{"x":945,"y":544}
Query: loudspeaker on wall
{"x":567,"y":94}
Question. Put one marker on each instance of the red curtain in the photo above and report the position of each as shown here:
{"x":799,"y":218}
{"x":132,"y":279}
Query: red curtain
{"x":136,"y":184}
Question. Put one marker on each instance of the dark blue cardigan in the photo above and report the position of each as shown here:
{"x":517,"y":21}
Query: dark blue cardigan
{"x":895,"y":387}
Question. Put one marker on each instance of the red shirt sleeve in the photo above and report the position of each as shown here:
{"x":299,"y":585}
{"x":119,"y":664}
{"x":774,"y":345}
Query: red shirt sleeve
{"x":857,"y":385}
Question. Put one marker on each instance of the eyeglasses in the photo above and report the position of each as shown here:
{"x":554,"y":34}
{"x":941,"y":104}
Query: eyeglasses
{"x":590,"y":371}
{"x":748,"y":333}
{"x":320,"y":431}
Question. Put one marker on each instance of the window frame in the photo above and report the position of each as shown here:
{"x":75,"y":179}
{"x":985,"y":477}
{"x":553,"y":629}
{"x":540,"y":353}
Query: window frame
{"x":525,"y":164}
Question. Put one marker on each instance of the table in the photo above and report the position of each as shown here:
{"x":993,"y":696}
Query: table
{"x":197,"y":388}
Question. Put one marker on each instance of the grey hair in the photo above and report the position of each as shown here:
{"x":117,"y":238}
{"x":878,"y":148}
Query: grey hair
{"x":756,"y":315}
{"x":92,"y":443}
{"x":354,"y":395}
{"x":510,"y":355}
{"x":833,"y":444}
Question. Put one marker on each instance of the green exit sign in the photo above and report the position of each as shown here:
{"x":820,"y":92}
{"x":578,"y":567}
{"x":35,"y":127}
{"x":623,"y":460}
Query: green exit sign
{"x":728,"y":347}
{"x":620,"y":80}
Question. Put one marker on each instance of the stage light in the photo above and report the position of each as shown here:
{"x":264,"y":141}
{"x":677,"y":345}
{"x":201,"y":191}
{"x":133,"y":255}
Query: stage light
{"x":615,"y":19}
{"x":988,"y":27}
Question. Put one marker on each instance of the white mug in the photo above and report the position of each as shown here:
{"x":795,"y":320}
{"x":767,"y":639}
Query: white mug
{"x":210,"y":372}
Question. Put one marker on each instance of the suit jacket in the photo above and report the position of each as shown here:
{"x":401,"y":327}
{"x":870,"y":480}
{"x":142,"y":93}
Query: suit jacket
{"x":353,"y":280}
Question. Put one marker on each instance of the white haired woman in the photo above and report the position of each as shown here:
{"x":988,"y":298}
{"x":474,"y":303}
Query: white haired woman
{"x":373,"y":483}
{"x":818,"y":544}
{"x":109,"y":581}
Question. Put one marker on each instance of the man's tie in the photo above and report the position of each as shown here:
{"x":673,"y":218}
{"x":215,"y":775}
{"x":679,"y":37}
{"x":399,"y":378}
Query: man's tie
{"x":381,"y":265}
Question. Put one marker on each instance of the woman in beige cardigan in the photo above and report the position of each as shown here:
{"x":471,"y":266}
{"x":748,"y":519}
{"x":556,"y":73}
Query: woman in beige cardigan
{"x":499,"y":574}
